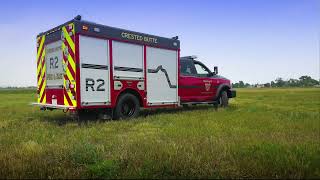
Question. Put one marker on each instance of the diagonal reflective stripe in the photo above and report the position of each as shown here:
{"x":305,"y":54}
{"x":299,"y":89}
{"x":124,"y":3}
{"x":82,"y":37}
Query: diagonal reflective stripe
{"x":72,"y":63}
{"x":74,"y":102}
{"x":68,"y":38}
{"x":42,"y":91}
{"x":66,"y":103}
{"x":42,"y":74}
{"x":42,"y":63}
{"x":69,"y":76}
{"x":68,"y":94}
{"x":43,"y":99}
{"x":67,"y":99}
{"x":41,"y":46}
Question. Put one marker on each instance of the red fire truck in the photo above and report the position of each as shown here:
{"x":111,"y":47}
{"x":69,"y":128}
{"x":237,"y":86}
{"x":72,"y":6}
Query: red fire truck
{"x":84,"y":66}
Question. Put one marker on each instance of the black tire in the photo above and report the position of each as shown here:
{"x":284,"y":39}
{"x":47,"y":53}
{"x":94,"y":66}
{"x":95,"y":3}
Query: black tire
{"x":224,"y":100}
{"x":128,"y":106}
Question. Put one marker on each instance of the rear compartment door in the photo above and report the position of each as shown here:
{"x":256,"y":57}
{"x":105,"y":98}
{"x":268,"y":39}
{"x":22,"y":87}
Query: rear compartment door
{"x":54,"y":73}
{"x":162,"y":73}
{"x":94,"y":71}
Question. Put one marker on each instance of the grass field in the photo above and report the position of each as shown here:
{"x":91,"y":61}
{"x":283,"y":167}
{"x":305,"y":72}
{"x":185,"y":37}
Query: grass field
{"x":272,"y":133}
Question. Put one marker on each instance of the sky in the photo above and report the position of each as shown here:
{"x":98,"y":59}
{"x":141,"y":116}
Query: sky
{"x":255,"y":41}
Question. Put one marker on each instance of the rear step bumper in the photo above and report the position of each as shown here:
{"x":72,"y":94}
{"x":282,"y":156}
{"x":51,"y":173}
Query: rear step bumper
{"x":51,"y":106}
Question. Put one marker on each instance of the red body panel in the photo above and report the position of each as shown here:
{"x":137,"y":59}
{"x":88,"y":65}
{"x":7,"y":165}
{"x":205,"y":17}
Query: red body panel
{"x":190,"y":89}
{"x":58,"y":93}
{"x":127,"y":85}
{"x":199,"y":89}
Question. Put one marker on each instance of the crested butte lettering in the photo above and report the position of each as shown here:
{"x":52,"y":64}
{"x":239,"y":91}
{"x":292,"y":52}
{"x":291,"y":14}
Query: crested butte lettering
{"x":139,"y":37}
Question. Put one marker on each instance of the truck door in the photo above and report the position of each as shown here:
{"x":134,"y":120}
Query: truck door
{"x":162,"y":68}
{"x":94,"y":71}
{"x":54,"y":73}
{"x":207,"y":82}
{"x":189,"y":84}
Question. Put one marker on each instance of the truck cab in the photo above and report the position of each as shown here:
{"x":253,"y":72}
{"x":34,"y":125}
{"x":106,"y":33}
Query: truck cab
{"x":198,"y":84}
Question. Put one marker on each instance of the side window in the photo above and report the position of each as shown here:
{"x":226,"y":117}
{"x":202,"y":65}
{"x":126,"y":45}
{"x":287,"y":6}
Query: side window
{"x":187,"y":68}
{"x":201,"y":70}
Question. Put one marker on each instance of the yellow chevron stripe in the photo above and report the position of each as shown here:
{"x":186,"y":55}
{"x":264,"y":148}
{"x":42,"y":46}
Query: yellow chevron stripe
{"x":69,"y":76}
{"x":41,"y":76}
{"x":43,"y":70}
{"x":40,"y":80}
{"x":70,"y":97}
{"x":41,"y":61}
{"x":69,"y":60}
{"x":72,"y":63}
{"x":44,"y":101}
{"x":44,"y":81}
{"x":39,"y":67}
{"x":38,"y":54}
{"x":42,"y":90}
{"x":41,"y":46}
{"x":66,"y":103}
{"x":68,"y":38}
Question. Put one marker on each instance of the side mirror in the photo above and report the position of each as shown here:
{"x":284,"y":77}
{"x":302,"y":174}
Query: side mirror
{"x":215,"y":70}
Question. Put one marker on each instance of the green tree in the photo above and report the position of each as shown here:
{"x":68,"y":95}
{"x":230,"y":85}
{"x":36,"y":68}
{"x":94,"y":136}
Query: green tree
{"x":307,"y":81}
{"x":279,"y":82}
{"x":241,"y":84}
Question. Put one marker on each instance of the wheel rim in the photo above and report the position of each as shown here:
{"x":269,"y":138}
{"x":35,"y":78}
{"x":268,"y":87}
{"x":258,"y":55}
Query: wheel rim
{"x":128,"y":108}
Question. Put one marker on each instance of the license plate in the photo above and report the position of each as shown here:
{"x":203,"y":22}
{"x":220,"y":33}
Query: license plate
{"x":54,"y":101}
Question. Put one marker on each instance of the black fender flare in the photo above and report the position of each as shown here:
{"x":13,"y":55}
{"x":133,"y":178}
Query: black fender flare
{"x":220,"y":88}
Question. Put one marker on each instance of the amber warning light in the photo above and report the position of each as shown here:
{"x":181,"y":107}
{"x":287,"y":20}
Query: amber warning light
{"x":85,"y":28}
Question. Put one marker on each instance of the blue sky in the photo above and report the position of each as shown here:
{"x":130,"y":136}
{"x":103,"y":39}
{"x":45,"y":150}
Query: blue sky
{"x":251,"y":40}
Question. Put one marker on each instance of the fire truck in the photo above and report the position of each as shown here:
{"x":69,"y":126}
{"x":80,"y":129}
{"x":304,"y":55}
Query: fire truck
{"x":83,"y":66}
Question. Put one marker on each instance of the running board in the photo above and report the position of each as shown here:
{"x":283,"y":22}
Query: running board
{"x":193,"y":103}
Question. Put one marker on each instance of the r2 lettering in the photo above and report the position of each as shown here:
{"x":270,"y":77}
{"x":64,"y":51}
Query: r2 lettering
{"x":90,"y":83}
{"x":54,"y":62}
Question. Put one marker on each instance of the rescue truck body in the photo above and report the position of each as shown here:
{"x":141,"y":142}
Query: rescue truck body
{"x":84,"y":66}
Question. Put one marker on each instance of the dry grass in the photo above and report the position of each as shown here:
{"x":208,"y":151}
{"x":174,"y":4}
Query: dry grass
{"x":271,"y":133}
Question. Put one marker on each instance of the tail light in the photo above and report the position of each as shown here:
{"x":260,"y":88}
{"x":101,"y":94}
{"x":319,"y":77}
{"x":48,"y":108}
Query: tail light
{"x":71,"y":86}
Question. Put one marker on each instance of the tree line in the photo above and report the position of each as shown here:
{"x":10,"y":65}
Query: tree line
{"x":303,"y":81}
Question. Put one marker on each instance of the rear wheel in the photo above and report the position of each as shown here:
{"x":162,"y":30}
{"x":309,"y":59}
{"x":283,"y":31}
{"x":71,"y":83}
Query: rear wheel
{"x":224,"y":100}
{"x":127,"y":107}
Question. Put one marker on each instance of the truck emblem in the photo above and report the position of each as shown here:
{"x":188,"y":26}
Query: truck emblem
{"x":207,"y":86}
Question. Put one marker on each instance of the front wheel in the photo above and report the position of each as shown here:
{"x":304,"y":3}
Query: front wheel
{"x":127,"y":107}
{"x":224,"y":100}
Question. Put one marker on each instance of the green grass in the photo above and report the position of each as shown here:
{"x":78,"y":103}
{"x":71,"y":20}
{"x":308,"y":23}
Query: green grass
{"x":265,"y":133}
